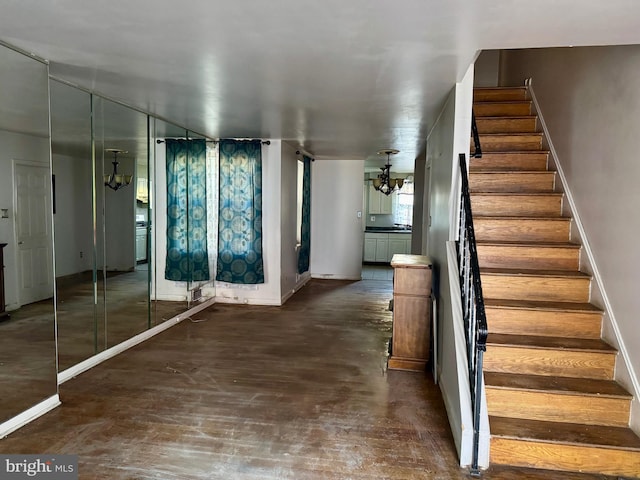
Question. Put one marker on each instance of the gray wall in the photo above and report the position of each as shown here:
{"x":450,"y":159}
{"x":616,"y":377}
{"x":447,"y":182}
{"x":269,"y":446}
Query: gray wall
{"x":590,"y":101}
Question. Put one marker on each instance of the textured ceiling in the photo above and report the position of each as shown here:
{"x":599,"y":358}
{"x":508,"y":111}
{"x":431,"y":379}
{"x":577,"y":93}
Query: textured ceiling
{"x":342,"y":79}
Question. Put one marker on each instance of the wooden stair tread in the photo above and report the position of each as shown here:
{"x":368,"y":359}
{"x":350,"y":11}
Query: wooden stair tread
{"x":508,"y":472}
{"x":510,"y":134}
{"x":539,"y":305}
{"x":524,"y":217}
{"x":519,"y":194}
{"x":560,"y":385}
{"x":514,"y":172}
{"x":556,"y":343}
{"x":506,"y":117}
{"x":499,"y":102}
{"x":567,"y":433}
{"x":534,"y":273}
{"x":493,"y":243}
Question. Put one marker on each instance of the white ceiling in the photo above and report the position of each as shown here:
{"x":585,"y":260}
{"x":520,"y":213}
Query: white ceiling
{"x":341,"y":78}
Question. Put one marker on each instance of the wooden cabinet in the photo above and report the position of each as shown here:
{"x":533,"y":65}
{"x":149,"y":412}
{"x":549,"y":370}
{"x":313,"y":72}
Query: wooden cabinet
{"x":379,"y":203}
{"x":411,"y":337}
{"x":3,"y":313}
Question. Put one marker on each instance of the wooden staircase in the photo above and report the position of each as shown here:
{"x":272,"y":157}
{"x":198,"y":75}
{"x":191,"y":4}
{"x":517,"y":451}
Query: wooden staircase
{"x":552,"y":400}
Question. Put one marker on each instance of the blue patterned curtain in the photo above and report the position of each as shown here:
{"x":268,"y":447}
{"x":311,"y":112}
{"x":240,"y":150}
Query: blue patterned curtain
{"x":305,"y":229}
{"x":187,"y":255}
{"x":240,"y":213}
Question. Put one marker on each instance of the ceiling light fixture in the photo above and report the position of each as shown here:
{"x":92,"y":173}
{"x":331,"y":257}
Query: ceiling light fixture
{"x":384,"y":183}
{"x":116,"y":180}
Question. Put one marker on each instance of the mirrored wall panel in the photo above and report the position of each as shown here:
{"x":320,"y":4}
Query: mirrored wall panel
{"x":27,"y":321}
{"x":80,"y":335}
{"x":121,"y":144}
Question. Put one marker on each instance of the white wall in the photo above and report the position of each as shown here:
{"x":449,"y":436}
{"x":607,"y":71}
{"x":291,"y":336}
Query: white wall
{"x":420,"y":222}
{"x":15,"y":146}
{"x":73,"y":222}
{"x":590,"y":102}
{"x":486,"y":69}
{"x":290,"y":281}
{"x":448,"y":138}
{"x":119,"y":222}
{"x":336,"y":231}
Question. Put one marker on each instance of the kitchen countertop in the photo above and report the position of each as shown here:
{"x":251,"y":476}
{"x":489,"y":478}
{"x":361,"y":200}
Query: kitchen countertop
{"x":386,"y":230}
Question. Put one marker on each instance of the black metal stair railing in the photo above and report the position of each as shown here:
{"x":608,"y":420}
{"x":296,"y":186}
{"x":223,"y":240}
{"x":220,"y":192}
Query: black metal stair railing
{"x":475,"y":321}
{"x":476,"y":137}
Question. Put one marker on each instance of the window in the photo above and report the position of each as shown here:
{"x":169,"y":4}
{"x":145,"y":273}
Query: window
{"x":403,"y":206}
{"x":299,"y":202}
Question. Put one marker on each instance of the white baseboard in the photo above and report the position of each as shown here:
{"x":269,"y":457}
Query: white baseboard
{"x":85,"y":365}
{"x":330,"y":276}
{"x":29,"y":415}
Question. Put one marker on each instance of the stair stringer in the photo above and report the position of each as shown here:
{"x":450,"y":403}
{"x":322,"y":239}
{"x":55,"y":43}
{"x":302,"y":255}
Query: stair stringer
{"x":624,"y":372}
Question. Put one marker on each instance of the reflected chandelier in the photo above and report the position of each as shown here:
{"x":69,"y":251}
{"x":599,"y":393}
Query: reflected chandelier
{"x":116,"y":180}
{"x":384,"y":183}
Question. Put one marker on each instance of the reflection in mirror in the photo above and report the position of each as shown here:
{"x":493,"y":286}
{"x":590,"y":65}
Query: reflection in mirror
{"x":27,"y":332}
{"x":170,"y":297}
{"x":79,"y":334}
{"x":121,"y":144}
{"x":202,"y":232}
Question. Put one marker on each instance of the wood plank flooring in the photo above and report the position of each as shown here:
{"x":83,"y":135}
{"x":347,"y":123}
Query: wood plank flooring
{"x":248,"y":392}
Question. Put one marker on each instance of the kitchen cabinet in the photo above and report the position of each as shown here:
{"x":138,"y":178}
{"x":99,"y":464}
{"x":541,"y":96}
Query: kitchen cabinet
{"x":379,"y":203}
{"x":141,"y":244}
{"x":411,"y":329}
{"x":369,"y":249}
{"x":399,"y":243}
{"x":381,"y":247}
{"x":3,"y":313}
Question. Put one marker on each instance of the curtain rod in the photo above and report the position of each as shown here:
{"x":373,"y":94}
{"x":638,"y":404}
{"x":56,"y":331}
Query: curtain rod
{"x":304,"y":152}
{"x":264,"y":142}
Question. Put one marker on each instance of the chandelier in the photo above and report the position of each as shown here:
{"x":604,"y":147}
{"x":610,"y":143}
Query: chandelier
{"x":384,"y":183}
{"x":116,"y":180}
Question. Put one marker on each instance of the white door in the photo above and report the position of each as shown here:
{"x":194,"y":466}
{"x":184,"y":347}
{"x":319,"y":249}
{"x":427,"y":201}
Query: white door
{"x":33,"y":232}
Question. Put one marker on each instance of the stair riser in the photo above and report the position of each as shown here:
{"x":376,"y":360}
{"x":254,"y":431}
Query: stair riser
{"x":499,"y":94}
{"x":506,"y":125}
{"x":510,"y":161}
{"x":521,"y":230}
{"x":513,"y":206}
{"x":508,"y":143}
{"x":535,"y":258}
{"x":553,"y":456}
{"x":544,"y":323}
{"x":536,"y":361}
{"x":502,"y":109}
{"x":557,"y":407}
{"x":537,"y":288}
{"x":512,"y":182}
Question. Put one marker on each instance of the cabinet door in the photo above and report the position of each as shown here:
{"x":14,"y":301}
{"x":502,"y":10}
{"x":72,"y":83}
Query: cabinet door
{"x":386,"y":204}
{"x":382,"y":250}
{"x":397,"y":244}
{"x":374,"y":200}
{"x":369,"y":249}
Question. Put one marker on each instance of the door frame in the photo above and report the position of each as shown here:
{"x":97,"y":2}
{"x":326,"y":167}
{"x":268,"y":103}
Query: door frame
{"x":51,"y":244}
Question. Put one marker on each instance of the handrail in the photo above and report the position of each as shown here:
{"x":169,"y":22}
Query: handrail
{"x":476,"y":138}
{"x":475,"y":320}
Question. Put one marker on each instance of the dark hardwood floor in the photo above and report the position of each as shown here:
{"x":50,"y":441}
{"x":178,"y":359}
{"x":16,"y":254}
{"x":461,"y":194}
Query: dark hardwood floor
{"x":247,"y":392}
